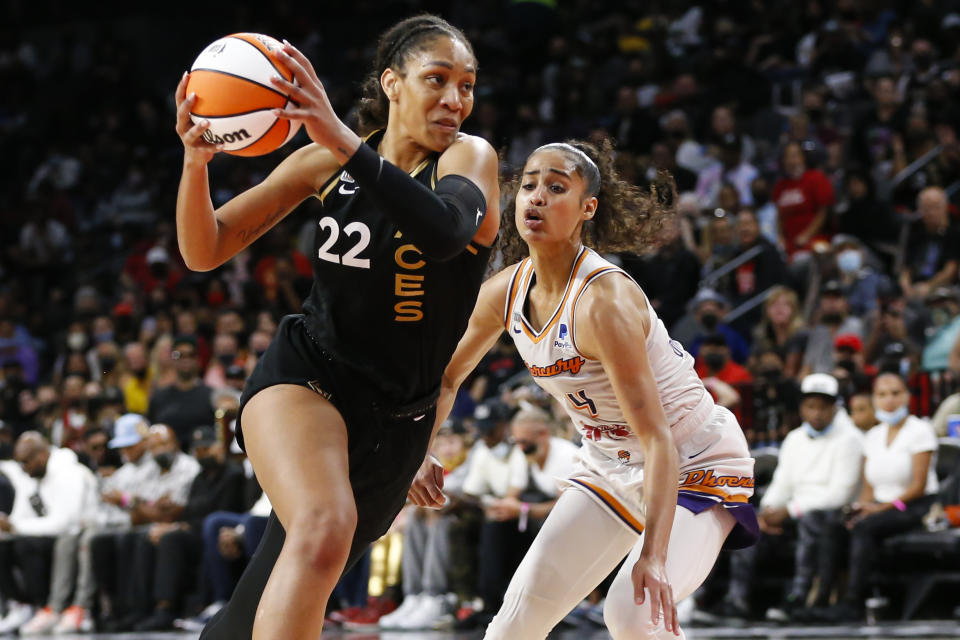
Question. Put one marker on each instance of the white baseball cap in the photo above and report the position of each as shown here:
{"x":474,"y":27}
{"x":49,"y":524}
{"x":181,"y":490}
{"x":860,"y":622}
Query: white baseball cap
{"x":820,"y":383}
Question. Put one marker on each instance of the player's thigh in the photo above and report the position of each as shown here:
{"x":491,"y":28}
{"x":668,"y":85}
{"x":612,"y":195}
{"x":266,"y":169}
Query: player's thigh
{"x":297,"y":443}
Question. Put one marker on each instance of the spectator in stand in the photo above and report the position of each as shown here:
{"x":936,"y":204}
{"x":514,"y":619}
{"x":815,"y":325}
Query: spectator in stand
{"x":427,"y":539}
{"x":159,"y":272}
{"x":861,"y":410}
{"x":186,"y":404}
{"x":757,"y":275}
{"x":225,"y":354}
{"x":161,"y":495}
{"x":766,"y":211}
{"x":782,"y":329}
{"x":817,"y":473}
{"x":54,"y":495}
{"x":861,"y":282}
{"x":775,"y":398}
{"x":713,"y":361}
{"x":511,"y":522}
{"x":833,"y":319}
{"x":803,"y":197}
{"x":135,"y":382}
{"x":729,"y":167}
{"x":168,"y":552}
{"x":718,"y":244}
{"x":862,"y":216}
{"x":663,"y":160}
{"x":229,"y":540}
{"x":488,"y":473}
{"x":708,"y":309}
{"x":899,"y":486}
{"x":943,"y":332}
{"x":17,"y":344}
{"x":933,"y":247}
{"x":873,"y":138}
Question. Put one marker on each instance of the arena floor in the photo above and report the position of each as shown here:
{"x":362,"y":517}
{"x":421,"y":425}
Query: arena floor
{"x":886,"y":631}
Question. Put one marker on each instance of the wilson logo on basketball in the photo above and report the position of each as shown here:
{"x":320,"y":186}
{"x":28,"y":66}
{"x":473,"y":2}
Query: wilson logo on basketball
{"x":226,"y":138}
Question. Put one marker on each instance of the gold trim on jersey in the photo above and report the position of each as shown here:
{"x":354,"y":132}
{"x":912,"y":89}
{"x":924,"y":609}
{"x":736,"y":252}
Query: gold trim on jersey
{"x":472,"y":249}
{"x":596,"y":273}
{"x":420,"y":167}
{"x":538,"y":336}
{"x":511,"y":292}
{"x":333,"y":183}
{"x":612,"y":503}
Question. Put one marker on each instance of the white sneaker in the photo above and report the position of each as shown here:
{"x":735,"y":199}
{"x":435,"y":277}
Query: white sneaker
{"x":424,"y":616}
{"x":75,"y":619}
{"x":42,"y":622}
{"x":410,"y":603}
{"x":18,"y":614}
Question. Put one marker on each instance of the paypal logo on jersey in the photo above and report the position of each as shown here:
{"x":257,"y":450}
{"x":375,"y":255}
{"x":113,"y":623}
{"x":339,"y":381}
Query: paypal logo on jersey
{"x":561,"y":342}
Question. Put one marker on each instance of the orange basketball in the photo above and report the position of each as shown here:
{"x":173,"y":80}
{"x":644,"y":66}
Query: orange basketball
{"x":231,"y":78}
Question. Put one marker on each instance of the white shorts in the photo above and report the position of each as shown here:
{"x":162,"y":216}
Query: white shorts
{"x":715,"y":468}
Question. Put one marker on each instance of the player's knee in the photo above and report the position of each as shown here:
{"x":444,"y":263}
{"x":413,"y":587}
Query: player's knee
{"x":627,"y":619}
{"x":321,"y":537}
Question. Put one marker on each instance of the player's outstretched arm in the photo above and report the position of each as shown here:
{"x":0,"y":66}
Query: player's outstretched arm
{"x":612,"y":324}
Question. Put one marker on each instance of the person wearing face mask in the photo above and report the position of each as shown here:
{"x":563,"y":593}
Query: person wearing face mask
{"x":705,"y":315}
{"x":943,"y":332}
{"x":860,"y":281}
{"x":54,"y":494}
{"x":834,"y":319}
{"x":899,"y":486}
{"x":186,"y":404}
{"x":161,"y":496}
{"x":225,"y":355}
{"x":167,"y":553}
{"x":818,"y":472}
{"x":714,"y":361}
{"x":511,"y":522}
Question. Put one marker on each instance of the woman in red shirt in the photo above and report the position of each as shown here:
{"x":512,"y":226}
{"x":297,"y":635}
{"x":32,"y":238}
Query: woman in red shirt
{"x":802,"y":196}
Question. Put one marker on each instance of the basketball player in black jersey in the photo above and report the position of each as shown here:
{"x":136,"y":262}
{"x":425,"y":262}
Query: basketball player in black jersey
{"x":337,"y":414}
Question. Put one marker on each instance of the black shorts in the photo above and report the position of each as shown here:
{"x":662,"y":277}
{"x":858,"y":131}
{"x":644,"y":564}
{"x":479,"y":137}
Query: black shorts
{"x":386,"y":443}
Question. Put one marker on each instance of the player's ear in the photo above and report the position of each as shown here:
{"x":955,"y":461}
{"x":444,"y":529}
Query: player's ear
{"x":388,"y":82}
{"x":590,"y":208}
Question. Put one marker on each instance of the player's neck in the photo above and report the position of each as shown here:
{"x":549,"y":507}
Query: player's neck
{"x":552,"y":264}
{"x":401,"y":150}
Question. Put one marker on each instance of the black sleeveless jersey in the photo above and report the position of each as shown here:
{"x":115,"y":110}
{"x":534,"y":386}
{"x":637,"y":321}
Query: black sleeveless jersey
{"x":378,"y":305}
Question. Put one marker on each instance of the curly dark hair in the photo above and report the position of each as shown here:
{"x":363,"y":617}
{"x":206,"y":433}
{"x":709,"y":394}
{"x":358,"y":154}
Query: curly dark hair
{"x":393,"y":47}
{"x":627,"y":218}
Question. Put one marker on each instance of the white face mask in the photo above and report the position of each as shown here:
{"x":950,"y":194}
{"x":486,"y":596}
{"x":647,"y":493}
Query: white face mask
{"x":849,"y":261}
{"x":892,"y":417}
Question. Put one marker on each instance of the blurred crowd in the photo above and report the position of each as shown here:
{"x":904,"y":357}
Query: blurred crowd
{"x":814,"y":148}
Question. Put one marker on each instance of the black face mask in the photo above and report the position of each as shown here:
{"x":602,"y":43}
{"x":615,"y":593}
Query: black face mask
{"x":6,"y":450}
{"x":709,"y":321}
{"x":528,"y":448}
{"x":226,"y":359}
{"x":832,"y":319}
{"x":770,"y":373}
{"x":164,"y":459}
{"x":208,"y":463}
{"x":159,"y":270}
{"x":715,"y":361}
{"x":107,"y":363}
{"x":140,"y":373}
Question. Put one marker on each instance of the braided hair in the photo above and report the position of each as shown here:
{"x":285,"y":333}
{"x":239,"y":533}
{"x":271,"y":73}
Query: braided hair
{"x":393,"y":48}
{"x":627,"y":218}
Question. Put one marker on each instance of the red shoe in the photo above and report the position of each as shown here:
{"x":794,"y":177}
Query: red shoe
{"x":367,"y":618}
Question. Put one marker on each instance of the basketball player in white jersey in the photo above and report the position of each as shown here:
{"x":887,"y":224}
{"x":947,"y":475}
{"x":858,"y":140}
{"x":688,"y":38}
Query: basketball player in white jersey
{"x":664,"y":474}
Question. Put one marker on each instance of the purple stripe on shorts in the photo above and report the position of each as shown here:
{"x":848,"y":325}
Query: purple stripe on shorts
{"x":744,"y":533}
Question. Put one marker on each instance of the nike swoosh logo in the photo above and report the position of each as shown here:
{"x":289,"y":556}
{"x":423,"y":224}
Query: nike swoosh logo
{"x":419,"y":417}
{"x":479,"y":215}
{"x":698,"y":453}
{"x":343,"y":189}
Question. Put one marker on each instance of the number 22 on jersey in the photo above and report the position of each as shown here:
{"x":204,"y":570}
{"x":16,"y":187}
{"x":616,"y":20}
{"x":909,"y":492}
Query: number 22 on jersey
{"x":349,"y":259}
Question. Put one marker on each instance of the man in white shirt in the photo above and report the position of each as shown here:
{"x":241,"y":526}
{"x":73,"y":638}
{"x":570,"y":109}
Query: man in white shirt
{"x":818,"y":473}
{"x":488,"y":471}
{"x":53,"y":493}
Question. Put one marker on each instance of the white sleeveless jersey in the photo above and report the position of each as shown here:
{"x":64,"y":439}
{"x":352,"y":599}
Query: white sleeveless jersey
{"x":581,"y":385}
